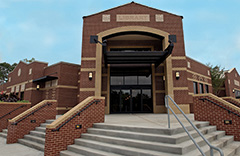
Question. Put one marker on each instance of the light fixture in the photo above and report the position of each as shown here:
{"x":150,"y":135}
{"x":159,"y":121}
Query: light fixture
{"x":90,"y":75}
{"x":177,"y":75}
{"x":38,"y":87}
{"x":233,"y":90}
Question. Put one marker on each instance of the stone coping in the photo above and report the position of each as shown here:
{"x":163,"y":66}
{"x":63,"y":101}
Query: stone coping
{"x":20,"y":103}
{"x":30,"y":110}
{"x":72,"y":112}
{"x":229,"y":97}
{"x":220,"y":100}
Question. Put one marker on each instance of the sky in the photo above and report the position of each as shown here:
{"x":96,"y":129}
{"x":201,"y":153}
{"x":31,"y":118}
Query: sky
{"x":51,"y":30}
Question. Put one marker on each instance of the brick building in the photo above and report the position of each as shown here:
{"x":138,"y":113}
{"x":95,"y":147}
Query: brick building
{"x":231,"y":87}
{"x":37,"y":81}
{"x":127,"y":58}
{"x":129,"y":82}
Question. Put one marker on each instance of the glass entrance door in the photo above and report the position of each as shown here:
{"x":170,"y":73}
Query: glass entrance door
{"x":131,"y":94}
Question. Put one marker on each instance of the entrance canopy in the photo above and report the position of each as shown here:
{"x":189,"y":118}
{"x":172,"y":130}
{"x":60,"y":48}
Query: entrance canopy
{"x":45,"y":78}
{"x":118,"y":49}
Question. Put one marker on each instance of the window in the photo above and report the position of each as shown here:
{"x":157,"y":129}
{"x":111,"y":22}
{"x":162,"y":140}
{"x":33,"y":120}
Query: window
{"x":30,"y":71}
{"x":208,"y":73}
{"x":195,"y":88}
{"x":206,"y":88}
{"x":201,"y":88}
{"x":19,"y":71}
{"x":51,"y":83}
{"x":116,"y":80}
{"x":131,"y":80}
{"x":188,"y":64}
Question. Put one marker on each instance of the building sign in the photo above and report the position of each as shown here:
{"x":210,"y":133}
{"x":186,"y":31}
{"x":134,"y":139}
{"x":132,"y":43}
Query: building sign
{"x":106,"y":18}
{"x":159,"y":18}
{"x":133,"y":18}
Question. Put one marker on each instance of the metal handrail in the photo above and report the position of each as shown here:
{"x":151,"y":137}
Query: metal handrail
{"x":47,"y":104}
{"x":208,"y":143}
{"x":77,"y":114}
{"x":12,"y":111}
{"x":229,"y":111}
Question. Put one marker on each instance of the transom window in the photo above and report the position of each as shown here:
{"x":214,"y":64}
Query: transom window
{"x":131,"y":80}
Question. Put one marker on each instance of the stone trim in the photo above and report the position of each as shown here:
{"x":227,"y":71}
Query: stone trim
{"x":88,"y":58}
{"x":87,"y":89}
{"x":88,"y":69}
{"x":220,"y":100}
{"x":180,"y":88}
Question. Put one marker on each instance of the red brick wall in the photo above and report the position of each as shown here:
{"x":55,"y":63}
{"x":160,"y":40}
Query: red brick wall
{"x":207,"y":111}
{"x":7,"y":108}
{"x":235,"y":102}
{"x":56,"y":141}
{"x":229,"y":82}
{"x":93,"y":25}
{"x":201,"y":77}
{"x":22,"y":128}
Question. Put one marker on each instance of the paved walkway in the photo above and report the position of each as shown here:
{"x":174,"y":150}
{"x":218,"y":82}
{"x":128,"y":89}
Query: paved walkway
{"x":139,"y":120}
{"x":17,"y":149}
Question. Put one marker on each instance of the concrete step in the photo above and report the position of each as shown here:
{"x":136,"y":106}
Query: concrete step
{"x":232,"y":149}
{"x":4,"y":135}
{"x":5,"y":131}
{"x":50,"y":121}
{"x":31,"y":144}
{"x":116,"y":149}
{"x":87,"y":151}
{"x":40,"y":129}
{"x":156,"y":146}
{"x":38,"y":134}
{"x":69,"y":153}
{"x":35,"y":139}
{"x":44,"y":124}
{"x":220,"y":143}
{"x":172,"y":139}
{"x":164,"y":131}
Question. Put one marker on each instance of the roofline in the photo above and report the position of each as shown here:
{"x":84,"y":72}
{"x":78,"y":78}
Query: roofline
{"x":62,"y":62}
{"x":128,"y":4}
{"x":197,"y":61}
{"x":27,"y":64}
{"x":229,"y":71}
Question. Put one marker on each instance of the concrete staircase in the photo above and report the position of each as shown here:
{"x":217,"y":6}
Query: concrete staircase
{"x":107,"y":139}
{"x":36,"y":138}
{"x":4,"y":133}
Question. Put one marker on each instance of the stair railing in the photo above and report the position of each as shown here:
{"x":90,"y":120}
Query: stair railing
{"x":12,"y":111}
{"x":32,"y":113}
{"x":229,"y":111}
{"x":167,"y":97}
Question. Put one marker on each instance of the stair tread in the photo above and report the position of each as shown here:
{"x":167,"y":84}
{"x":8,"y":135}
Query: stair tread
{"x":121,"y":148}
{"x":34,"y":137}
{"x":151,"y":130}
{"x":69,"y":153}
{"x":31,"y":144}
{"x":4,"y":135}
{"x":93,"y":151}
{"x":148,"y":134}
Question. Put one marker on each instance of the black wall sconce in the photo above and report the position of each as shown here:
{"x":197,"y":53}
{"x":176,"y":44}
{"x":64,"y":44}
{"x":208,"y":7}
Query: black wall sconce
{"x":38,"y":86}
{"x":94,"y":39}
{"x":177,"y":75}
{"x":233,"y":90}
{"x":90,"y":75}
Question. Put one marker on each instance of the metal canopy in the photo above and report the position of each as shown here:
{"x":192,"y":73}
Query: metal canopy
{"x":45,"y":78}
{"x":137,"y":57}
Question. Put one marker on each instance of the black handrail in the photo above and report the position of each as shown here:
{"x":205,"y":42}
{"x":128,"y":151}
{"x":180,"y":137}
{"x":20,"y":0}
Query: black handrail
{"x":12,"y":111}
{"x":229,"y":111}
{"x":77,"y":114}
{"x":47,"y":104}
{"x":234,"y":103}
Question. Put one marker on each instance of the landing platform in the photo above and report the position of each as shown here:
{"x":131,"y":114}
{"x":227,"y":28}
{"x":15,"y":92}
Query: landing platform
{"x":146,"y":120}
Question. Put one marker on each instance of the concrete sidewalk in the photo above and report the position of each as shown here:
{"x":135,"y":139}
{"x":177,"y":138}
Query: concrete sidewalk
{"x":17,"y":149}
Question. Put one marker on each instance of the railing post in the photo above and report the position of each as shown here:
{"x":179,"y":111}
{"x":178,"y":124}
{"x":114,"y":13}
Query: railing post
{"x":211,"y":151}
{"x":166,"y":104}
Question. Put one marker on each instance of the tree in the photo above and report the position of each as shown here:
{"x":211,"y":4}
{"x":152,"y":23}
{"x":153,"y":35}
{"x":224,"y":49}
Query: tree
{"x":218,"y":77}
{"x":6,"y":68}
{"x":28,"y":61}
